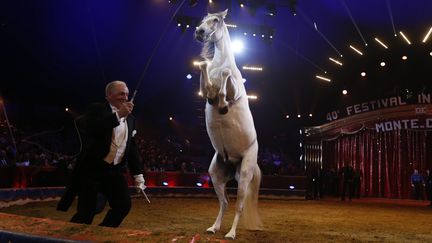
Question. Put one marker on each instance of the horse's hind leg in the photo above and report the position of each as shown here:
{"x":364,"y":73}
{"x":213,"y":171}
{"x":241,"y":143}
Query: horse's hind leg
{"x":219,"y":179}
{"x":249,"y":178}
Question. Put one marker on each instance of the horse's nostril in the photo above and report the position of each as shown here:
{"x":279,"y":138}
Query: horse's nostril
{"x":199,"y":31}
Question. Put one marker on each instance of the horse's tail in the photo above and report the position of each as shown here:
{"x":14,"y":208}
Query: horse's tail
{"x":251,"y":218}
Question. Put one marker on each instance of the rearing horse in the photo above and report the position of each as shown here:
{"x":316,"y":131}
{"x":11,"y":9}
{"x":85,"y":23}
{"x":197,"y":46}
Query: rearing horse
{"x":229,"y":124}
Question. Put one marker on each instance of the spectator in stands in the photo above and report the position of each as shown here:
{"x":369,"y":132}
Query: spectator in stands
{"x":109,"y":148}
{"x":24,"y":159}
{"x":428,"y":183}
{"x":416,"y":184}
{"x":3,"y":161}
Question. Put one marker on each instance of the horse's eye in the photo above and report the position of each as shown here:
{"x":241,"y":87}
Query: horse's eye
{"x":215,"y":20}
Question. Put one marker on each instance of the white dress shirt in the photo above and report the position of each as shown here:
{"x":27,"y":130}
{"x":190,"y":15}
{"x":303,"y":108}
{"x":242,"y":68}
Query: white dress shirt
{"x":118,"y":140}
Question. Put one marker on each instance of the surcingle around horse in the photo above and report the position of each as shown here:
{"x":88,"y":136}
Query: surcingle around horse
{"x":229,"y":124}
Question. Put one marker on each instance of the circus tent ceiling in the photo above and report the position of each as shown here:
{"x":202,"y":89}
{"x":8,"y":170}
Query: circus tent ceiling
{"x":61,"y":53}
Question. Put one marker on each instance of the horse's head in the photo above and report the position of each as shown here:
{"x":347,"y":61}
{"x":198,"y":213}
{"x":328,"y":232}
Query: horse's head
{"x":210,"y":28}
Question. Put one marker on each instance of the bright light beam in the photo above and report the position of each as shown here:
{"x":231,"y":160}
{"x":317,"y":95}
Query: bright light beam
{"x":252,"y":68}
{"x":300,"y":55}
{"x":381,"y":43}
{"x":406,"y":39}
{"x":391,"y":16}
{"x":237,"y":46}
{"x":313,"y":24}
{"x":359,"y":52}
{"x":427,"y":35}
{"x":323,"y":78}
{"x":335,"y":61}
{"x":353,"y":21}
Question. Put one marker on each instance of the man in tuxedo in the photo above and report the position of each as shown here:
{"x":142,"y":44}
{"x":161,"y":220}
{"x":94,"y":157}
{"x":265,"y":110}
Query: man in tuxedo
{"x":108,"y":149}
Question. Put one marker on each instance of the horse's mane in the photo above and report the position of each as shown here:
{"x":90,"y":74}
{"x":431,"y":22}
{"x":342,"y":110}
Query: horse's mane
{"x":208,"y":50}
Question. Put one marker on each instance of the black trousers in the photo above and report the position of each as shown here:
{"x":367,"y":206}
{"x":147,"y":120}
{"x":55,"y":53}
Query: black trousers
{"x":417,"y":190}
{"x":347,"y":186}
{"x":110,"y":181}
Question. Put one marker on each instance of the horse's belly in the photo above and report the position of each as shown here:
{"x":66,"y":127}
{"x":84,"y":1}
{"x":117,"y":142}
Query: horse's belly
{"x":231,"y":134}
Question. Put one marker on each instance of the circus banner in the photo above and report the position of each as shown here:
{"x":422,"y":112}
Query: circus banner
{"x":382,"y":103}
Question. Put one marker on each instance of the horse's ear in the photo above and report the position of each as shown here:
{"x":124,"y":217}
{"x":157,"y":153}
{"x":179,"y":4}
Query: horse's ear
{"x":224,"y":13}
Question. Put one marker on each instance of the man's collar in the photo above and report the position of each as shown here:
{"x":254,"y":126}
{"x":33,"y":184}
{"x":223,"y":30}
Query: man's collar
{"x":113,"y":108}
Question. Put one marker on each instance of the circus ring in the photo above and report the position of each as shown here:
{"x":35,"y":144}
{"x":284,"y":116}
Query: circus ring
{"x":182,"y":213}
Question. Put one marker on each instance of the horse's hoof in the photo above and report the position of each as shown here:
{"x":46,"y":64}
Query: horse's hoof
{"x":230,"y":236}
{"x":223,"y":110}
{"x":211,"y":230}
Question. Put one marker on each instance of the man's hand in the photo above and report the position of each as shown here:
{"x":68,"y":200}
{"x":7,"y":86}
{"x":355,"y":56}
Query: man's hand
{"x":125,"y":109}
{"x":139,"y":183}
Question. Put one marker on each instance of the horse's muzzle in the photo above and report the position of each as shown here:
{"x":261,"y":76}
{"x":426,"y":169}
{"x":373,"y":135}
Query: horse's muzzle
{"x":199,"y":37}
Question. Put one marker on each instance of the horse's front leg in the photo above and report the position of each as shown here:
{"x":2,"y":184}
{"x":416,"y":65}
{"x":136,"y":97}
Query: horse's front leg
{"x":206,"y":87}
{"x":223,"y":103}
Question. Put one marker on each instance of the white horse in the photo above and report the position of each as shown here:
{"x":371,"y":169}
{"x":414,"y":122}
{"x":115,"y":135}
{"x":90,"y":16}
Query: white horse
{"x":229,"y":124}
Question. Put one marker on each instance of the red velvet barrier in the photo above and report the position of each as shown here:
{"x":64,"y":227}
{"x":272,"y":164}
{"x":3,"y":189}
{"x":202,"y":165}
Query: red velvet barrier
{"x":36,"y":176}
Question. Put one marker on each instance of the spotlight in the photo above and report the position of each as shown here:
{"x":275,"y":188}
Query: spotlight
{"x":252,"y":68}
{"x":381,"y":43}
{"x":66,"y":109}
{"x":271,"y":9}
{"x":199,"y":184}
{"x":405,"y":38}
{"x":287,"y":116}
{"x":165,"y":183}
{"x":323,"y":78}
{"x":427,"y":35}
{"x":237,"y":46}
{"x":356,"y":50}
{"x":189,"y":76}
{"x":335,"y":61}
{"x":363,"y":74}
{"x":291,"y":187}
{"x":404,"y":57}
{"x":382,"y":64}
{"x":170,"y":118}
{"x":344,"y":91}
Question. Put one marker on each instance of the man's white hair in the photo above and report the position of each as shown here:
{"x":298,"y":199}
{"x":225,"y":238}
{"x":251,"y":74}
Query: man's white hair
{"x":112,"y":85}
